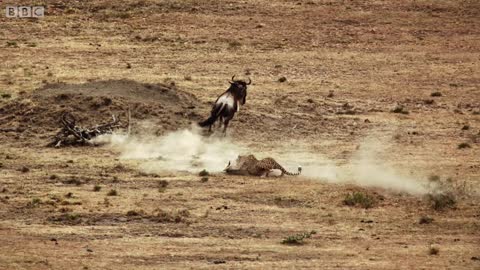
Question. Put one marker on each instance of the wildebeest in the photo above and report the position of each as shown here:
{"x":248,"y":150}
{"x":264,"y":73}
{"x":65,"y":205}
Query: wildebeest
{"x":227,"y":104}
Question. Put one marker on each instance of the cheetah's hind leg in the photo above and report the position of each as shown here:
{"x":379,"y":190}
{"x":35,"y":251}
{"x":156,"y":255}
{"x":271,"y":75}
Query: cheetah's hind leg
{"x":275,"y":173}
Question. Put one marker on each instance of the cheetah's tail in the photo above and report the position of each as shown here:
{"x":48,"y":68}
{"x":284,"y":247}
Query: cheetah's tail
{"x":299,"y":171}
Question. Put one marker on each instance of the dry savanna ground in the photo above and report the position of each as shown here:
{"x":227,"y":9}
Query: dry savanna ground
{"x":326,"y":75}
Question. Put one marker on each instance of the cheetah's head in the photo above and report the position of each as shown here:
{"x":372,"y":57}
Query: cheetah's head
{"x":237,"y":163}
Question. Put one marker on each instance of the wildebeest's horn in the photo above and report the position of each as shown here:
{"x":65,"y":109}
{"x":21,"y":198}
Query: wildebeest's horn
{"x":233,"y":78}
{"x":249,"y":81}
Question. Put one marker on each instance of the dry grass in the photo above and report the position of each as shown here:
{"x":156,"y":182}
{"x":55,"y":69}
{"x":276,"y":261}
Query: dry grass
{"x":369,"y":55}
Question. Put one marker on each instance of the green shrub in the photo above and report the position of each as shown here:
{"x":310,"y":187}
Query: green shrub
{"x":442,"y":201}
{"x":359,"y":198}
{"x":204,"y":173}
{"x":297,"y":239}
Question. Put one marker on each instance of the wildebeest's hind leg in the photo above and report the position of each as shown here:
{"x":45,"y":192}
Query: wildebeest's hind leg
{"x":220,"y":121}
{"x":227,"y":116}
{"x":225,"y":125}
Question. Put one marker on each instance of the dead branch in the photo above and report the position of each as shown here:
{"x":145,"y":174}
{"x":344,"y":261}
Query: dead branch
{"x":81,"y":135}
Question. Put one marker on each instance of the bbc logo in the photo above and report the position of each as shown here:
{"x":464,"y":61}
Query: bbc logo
{"x":25,"y":12}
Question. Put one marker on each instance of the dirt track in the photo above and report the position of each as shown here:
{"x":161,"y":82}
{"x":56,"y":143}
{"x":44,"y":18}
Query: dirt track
{"x":167,"y":60}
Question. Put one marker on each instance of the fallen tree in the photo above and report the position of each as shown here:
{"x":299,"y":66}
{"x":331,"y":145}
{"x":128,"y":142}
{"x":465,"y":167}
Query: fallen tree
{"x":71,"y":134}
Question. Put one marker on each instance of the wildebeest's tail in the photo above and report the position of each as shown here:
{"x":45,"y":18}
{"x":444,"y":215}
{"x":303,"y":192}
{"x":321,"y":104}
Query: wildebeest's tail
{"x":217,"y":110}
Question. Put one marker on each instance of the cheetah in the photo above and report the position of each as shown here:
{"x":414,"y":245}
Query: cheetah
{"x":250,"y":165}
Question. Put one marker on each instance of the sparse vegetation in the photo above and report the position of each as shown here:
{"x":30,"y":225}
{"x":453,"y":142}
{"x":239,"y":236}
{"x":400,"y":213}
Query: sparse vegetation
{"x":234,"y":44}
{"x":203,"y":173}
{"x":429,"y":101}
{"x":162,"y":185}
{"x":106,"y":202}
{"x":282,"y":79}
{"x":297,"y":239}
{"x":13,"y":44}
{"x":442,"y":201}
{"x":433,"y":250}
{"x":446,"y":192}
{"x":425,"y":220}
{"x":112,"y":192}
{"x":347,"y":64}
{"x":65,"y":218}
{"x":173,"y":216}
{"x":359,"y":198}
{"x":400,"y":109}
{"x":463,"y":145}
{"x":434,"y":178}
{"x":133,"y":213}
{"x":73,"y":181}
{"x":34,"y":202}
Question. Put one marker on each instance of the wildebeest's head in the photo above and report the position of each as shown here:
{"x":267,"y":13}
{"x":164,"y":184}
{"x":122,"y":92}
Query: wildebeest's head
{"x":240,"y":85}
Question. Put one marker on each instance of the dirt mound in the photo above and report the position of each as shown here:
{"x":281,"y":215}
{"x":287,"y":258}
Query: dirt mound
{"x":37,"y":115}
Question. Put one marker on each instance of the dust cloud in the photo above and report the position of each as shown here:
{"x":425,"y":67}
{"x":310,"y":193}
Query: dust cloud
{"x":366,"y":168}
{"x":188,"y":151}
{"x":183,"y":150}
